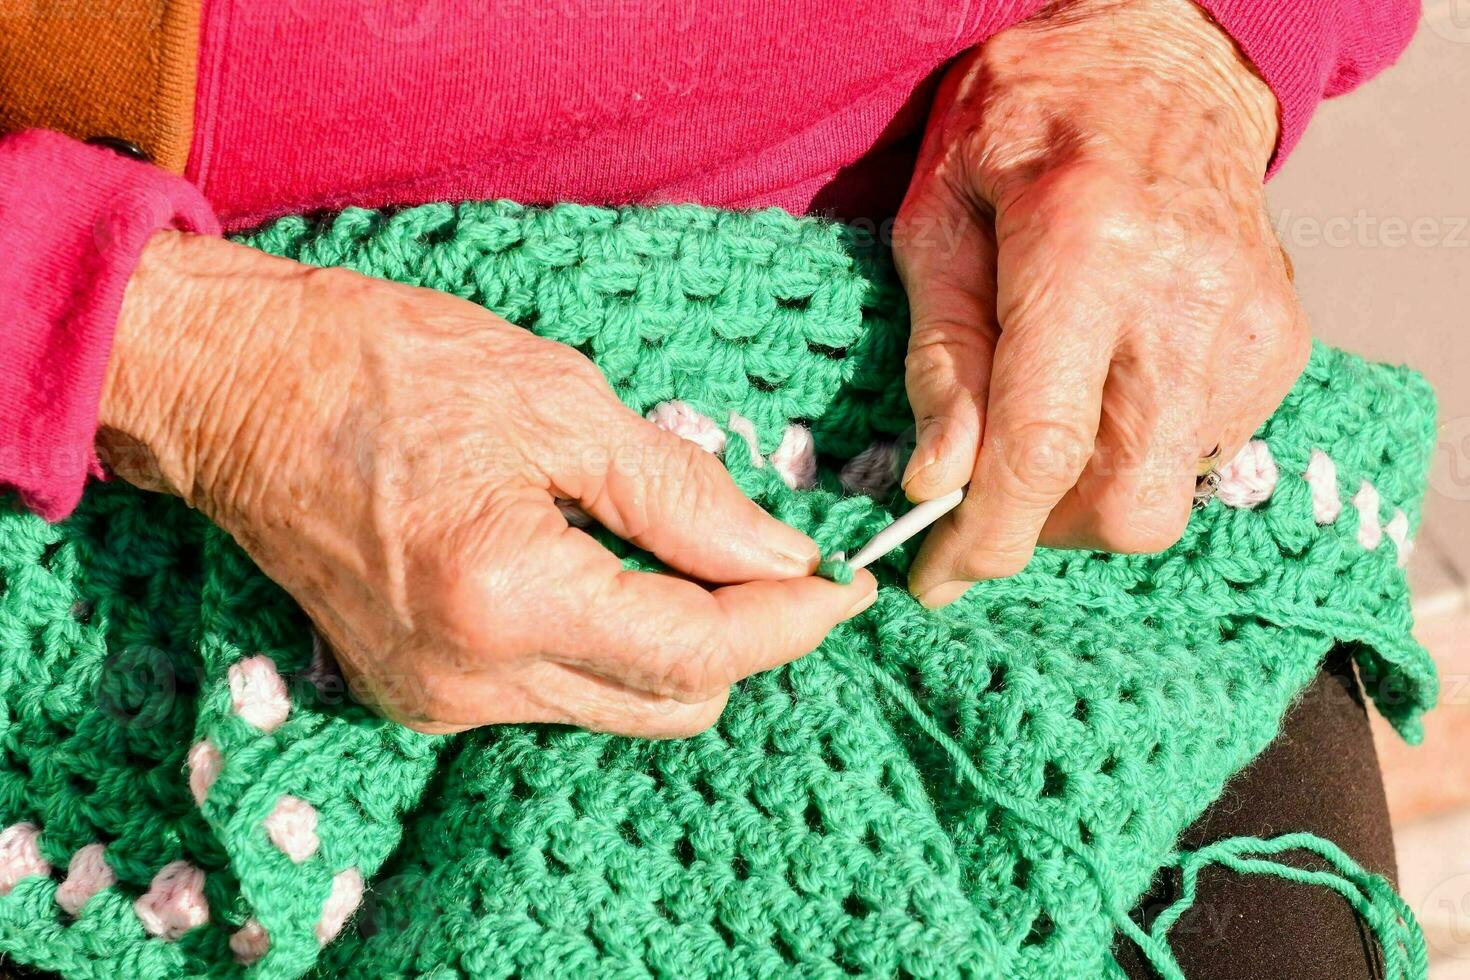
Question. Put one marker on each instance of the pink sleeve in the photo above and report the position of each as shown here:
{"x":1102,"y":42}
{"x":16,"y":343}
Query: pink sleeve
{"x":73,"y":220}
{"x":1308,"y":50}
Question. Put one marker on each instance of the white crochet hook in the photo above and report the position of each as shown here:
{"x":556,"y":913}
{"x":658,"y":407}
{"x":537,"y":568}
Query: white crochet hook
{"x":904,"y":528}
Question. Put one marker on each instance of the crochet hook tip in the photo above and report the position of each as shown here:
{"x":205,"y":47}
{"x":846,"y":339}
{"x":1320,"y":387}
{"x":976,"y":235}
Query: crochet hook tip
{"x":905,"y":527}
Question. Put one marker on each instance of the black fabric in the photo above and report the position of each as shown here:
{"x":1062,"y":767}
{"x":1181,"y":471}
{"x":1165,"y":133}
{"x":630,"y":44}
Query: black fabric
{"x":1320,"y":775}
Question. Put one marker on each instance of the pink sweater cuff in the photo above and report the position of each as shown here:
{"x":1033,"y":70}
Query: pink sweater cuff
{"x":1308,"y":50}
{"x":73,"y":220}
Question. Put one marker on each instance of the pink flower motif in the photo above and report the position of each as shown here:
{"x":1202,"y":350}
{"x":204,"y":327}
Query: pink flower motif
{"x":686,"y":423}
{"x":291,"y":826}
{"x":1249,"y":478}
{"x":1321,"y":476}
{"x":86,"y":874}
{"x":258,"y":694}
{"x":796,"y":458}
{"x":340,"y":904}
{"x":250,"y":942}
{"x":20,"y":857}
{"x":205,"y":763}
{"x":174,"y":902}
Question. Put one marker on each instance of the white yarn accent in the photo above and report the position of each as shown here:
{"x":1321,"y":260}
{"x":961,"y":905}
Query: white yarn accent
{"x":87,"y":873}
{"x":1370,"y":531}
{"x":174,"y":903}
{"x":1397,"y":530}
{"x":250,"y":942}
{"x":291,"y":826}
{"x":745,"y":429}
{"x":20,"y":857}
{"x":1321,"y":476}
{"x":204,"y":762}
{"x":258,"y":694}
{"x":1249,"y":479}
{"x":874,"y":471}
{"x":796,"y":458}
{"x":340,"y":904}
{"x":686,"y":423}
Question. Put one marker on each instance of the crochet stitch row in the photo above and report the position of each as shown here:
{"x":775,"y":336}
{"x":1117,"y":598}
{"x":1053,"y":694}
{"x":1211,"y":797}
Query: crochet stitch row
{"x":175,"y":901}
{"x":982,"y":790}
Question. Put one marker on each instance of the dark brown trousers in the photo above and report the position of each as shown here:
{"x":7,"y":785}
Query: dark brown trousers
{"x":1320,"y":775}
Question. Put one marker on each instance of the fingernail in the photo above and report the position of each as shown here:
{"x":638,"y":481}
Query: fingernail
{"x":944,"y":594}
{"x":803,"y":561}
{"x":914,"y":469}
{"x":926,"y":452}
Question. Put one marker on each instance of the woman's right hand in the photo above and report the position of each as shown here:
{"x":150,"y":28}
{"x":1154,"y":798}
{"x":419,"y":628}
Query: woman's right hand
{"x":391,"y":457}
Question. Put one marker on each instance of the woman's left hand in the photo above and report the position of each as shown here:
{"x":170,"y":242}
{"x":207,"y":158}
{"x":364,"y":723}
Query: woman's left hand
{"x":1098,"y":298}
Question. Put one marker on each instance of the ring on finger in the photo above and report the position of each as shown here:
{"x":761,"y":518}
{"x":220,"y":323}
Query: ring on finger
{"x":1207,"y":478}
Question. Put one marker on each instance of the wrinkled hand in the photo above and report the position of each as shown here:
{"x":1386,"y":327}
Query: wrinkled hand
{"x":1098,"y":299}
{"x":391,"y":456}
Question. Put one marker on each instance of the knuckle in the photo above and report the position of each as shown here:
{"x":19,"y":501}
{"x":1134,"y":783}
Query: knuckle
{"x":1111,"y":222}
{"x":684,"y":475}
{"x":937,"y":346}
{"x":338,"y":280}
{"x":559,"y":381}
{"x":1100,"y":205}
{"x":689,"y":681}
{"x":1041,"y":460}
{"x":454,"y":598}
{"x":1279,"y":317}
{"x":927,"y":366}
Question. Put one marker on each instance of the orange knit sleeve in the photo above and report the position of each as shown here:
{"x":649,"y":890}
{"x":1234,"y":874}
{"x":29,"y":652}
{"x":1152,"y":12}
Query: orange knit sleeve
{"x":90,"y":68}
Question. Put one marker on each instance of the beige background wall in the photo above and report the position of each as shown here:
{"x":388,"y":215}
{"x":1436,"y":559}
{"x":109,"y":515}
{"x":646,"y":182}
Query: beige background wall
{"x":1374,"y":208}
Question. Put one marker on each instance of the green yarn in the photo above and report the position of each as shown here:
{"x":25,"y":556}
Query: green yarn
{"x":836,"y":569}
{"x":984,"y":790}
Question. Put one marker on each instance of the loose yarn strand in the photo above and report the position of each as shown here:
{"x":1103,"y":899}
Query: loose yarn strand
{"x":1371,"y":896}
{"x":1374,"y":900}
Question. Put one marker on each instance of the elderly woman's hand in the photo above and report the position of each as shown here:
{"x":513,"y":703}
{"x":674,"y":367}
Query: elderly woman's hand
{"x":391,"y":456}
{"x":1098,"y":298}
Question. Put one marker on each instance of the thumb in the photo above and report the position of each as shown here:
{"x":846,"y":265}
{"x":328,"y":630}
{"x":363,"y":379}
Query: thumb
{"x":946,"y":257}
{"x":670,"y":497}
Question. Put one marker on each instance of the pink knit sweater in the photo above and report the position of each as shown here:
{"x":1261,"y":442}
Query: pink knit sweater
{"x":303,"y":106}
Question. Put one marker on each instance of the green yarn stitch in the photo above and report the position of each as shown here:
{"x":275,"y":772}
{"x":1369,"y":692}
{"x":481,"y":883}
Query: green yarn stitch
{"x":836,"y":569}
{"x":973,"y":791}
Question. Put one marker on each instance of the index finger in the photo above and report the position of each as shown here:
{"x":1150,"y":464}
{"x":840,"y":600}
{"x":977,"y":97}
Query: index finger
{"x":672,"y":637}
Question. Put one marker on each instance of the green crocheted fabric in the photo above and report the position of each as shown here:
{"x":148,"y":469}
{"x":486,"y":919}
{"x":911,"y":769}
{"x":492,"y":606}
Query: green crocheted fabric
{"x":983,"y":790}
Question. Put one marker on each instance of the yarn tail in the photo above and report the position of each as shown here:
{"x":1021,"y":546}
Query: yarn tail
{"x":1371,"y":896}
